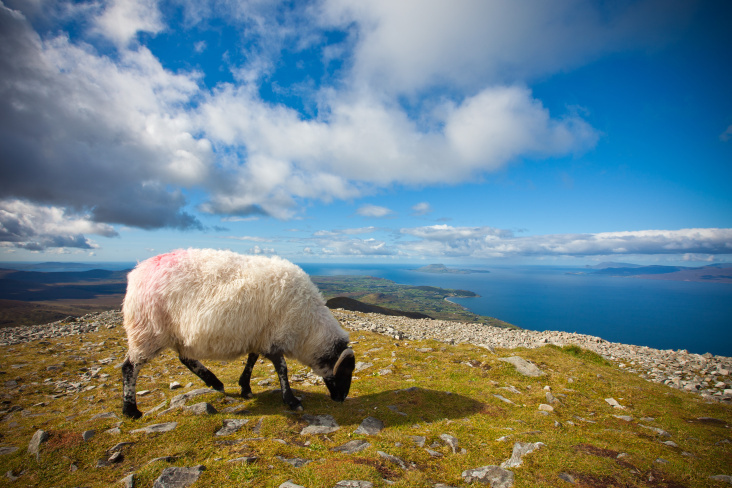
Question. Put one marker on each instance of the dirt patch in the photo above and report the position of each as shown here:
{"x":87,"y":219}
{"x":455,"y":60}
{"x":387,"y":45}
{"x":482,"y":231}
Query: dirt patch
{"x":384,"y":471}
{"x":63,"y":439}
{"x":596,"y":451}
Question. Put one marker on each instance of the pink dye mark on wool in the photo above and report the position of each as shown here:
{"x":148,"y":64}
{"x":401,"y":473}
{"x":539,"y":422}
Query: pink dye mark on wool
{"x":157,"y":270}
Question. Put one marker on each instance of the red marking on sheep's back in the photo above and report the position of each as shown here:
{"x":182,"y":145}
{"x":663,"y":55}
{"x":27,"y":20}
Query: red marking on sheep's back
{"x":157,"y":269}
{"x":167,"y":260}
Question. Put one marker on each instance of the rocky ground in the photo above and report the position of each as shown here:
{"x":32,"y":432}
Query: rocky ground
{"x":705,"y":374}
{"x":433,"y":403}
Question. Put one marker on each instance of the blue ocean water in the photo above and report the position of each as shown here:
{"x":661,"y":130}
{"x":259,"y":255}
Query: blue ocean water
{"x":656,"y":313}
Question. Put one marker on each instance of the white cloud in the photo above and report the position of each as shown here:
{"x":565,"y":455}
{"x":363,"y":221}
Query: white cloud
{"x":338,"y":232}
{"x":422,"y":208}
{"x":358,"y":247}
{"x":411,"y":45}
{"x":374,"y":211}
{"x":37,"y":228}
{"x":249,"y":238}
{"x":487,"y":242}
{"x":121,"y":20}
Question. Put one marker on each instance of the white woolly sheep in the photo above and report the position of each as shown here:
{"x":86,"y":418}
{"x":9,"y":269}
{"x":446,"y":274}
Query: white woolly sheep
{"x":208,"y":304}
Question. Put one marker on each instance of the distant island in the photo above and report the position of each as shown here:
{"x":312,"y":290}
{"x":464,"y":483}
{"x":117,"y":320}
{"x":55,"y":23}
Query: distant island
{"x":442,"y":269}
{"x":717,"y":273}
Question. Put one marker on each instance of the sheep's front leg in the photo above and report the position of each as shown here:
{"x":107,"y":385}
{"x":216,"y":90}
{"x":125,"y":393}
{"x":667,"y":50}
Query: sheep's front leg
{"x":281,"y":367}
{"x":246,"y":376}
{"x":202,"y":372}
{"x":129,"y":385}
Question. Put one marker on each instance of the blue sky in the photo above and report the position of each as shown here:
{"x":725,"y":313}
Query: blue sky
{"x":415,"y":131}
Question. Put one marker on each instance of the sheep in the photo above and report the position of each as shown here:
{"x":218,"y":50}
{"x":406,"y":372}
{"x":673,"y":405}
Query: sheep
{"x":209,"y":304}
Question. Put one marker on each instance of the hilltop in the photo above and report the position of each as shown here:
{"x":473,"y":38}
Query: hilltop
{"x":433,"y":403}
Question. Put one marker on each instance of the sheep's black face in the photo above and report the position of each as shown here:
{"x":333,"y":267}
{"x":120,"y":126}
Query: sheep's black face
{"x":339,"y":383}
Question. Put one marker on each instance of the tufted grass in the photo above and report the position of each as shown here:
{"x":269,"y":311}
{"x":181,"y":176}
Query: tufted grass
{"x":454,"y":395}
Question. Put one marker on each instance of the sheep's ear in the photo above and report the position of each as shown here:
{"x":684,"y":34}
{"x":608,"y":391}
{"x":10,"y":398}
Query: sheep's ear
{"x":346,"y":363}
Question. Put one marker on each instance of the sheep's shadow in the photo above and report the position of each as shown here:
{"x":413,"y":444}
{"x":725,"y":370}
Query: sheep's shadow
{"x":406,"y":406}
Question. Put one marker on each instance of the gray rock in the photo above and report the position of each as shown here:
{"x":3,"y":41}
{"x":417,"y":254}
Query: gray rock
{"x":34,"y":447}
{"x":418,"y":440}
{"x":156,"y":428}
{"x":290,"y":484}
{"x":658,"y":431}
{"x":7,"y":450}
{"x":495,"y":476}
{"x":520,"y":449}
{"x":354,"y":484}
{"x":296,"y":462}
{"x":450,"y":441}
{"x":722,"y":477}
{"x":393,"y":459}
{"x":568,"y":478}
{"x":370,"y":426}
{"x":627,"y":418}
{"x":105,"y":416}
{"x":202,"y":408}
{"x":178,"y":477}
{"x":128,"y":481}
{"x":546,"y":408}
{"x":120,"y":446}
{"x":230,"y":426}
{"x":614,"y":403}
{"x":432,"y":453}
{"x":243,"y":460}
{"x":523,"y":366}
{"x":180,"y":400}
{"x":503,"y":399}
{"x":319,"y":424}
{"x":175,"y":385}
{"x":352,"y":447}
{"x":88,"y":434}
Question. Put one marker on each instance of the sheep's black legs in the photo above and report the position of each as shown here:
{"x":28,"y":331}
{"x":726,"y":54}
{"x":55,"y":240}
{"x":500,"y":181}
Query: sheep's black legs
{"x":202,"y":372}
{"x":129,"y":383}
{"x":246,"y":376}
{"x":281,"y":367}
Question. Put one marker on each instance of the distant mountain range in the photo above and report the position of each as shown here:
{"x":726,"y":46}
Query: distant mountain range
{"x":442,"y":269}
{"x":719,"y":272}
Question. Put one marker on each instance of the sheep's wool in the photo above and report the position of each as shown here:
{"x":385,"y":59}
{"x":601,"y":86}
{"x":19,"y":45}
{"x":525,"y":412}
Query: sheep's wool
{"x":209,"y":304}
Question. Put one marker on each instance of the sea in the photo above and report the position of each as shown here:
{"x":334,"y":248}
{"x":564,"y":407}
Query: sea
{"x":694,"y":316}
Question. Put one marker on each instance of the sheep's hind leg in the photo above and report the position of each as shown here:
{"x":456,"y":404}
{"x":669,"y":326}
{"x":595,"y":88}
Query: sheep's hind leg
{"x":202,"y":372}
{"x":281,"y":367}
{"x":129,"y":383}
{"x":246,"y":376}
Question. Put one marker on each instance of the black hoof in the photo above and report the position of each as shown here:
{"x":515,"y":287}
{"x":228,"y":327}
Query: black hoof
{"x":218,"y":386}
{"x":247,"y":394}
{"x":131,"y":411}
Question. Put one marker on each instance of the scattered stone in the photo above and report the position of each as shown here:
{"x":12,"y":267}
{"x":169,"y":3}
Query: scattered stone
{"x":504,"y":399}
{"x":165,"y":459}
{"x":393,"y":459}
{"x":495,"y":476}
{"x":156,"y":428}
{"x":523,"y":366}
{"x":354,"y":484}
{"x":202,"y":408}
{"x":670,"y":443}
{"x":568,"y":478}
{"x":450,"y":441}
{"x":244,"y":460}
{"x":175,"y":385}
{"x":658,"y":431}
{"x":360,"y":366}
{"x":722,"y":477}
{"x":432,"y":453}
{"x":290,"y":484}
{"x":520,"y":449}
{"x":115,"y":458}
{"x":352,"y":447}
{"x":236,"y":410}
{"x":128,"y":481}
{"x":231,"y":426}
{"x":627,"y":418}
{"x":34,"y":446}
{"x":88,"y":434}
{"x":550,"y":399}
{"x":105,"y":416}
{"x":319,"y":424}
{"x":180,"y":400}
{"x":418,"y":440}
{"x":175,"y":477}
{"x":370,"y":426}
{"x":7,"y":450}
{"x":546,"y":408}
{"x":296,"y":462}
{"x":614,"y":403}
{"x":119,"y":447}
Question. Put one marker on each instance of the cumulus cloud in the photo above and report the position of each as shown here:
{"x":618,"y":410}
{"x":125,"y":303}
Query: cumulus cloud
{"x":487,"y":242}
{"x":121,"y":20}
{"x":374,"y":211}
{"x":37,"y":228}
{"x":250,"y":238}
{"x":84,"y":132}
{"x":358,"y":247}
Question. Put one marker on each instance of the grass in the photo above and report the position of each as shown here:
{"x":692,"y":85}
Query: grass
{"x":453,"y":395}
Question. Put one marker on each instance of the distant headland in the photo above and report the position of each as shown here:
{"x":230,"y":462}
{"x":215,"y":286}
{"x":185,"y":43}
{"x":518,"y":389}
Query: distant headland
{"x":442,"y":269}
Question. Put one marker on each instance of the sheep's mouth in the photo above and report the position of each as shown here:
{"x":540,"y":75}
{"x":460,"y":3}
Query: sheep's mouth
{"x":338,"y":388}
